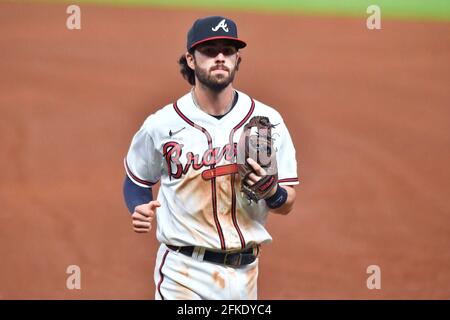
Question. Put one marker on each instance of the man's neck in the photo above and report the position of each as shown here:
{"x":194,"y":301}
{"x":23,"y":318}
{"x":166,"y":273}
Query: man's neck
{"x":213,"y":103}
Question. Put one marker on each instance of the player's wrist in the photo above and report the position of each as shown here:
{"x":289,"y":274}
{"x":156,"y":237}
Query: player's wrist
{"x":278,"y":199}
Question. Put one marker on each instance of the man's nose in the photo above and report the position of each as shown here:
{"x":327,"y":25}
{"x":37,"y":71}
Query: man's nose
{"x":220,"y":57}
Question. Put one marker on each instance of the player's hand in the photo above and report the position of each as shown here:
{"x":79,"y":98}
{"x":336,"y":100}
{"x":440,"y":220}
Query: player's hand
{"x":143,"y":216}
{"x":257,"y":174}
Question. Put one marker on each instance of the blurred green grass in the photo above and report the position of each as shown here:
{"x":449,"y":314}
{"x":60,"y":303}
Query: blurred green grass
{"x":404,"y":9}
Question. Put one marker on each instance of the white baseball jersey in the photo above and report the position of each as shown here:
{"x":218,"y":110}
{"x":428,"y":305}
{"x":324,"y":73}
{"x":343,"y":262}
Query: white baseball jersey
{"x":191,"y":152}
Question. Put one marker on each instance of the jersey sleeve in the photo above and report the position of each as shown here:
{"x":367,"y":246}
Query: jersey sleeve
{"x":286,"y":157}
{"x":143,"y":161}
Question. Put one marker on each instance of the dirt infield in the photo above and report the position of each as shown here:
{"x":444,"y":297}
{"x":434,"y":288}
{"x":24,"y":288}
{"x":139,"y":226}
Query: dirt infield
{"x":368,"y":112}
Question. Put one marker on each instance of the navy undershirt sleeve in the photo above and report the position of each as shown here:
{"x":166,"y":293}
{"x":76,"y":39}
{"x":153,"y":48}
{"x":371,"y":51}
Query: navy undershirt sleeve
{"x":135,"y":195}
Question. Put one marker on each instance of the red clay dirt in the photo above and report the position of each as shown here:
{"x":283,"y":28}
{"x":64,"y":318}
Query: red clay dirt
{"x":368,"y":112}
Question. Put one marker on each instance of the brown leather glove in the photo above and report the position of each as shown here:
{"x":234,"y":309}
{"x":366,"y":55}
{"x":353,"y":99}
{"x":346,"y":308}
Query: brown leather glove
{"x":256,"y":142}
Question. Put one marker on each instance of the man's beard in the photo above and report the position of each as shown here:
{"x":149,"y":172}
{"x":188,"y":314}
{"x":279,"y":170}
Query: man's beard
{"x":214,"y":83}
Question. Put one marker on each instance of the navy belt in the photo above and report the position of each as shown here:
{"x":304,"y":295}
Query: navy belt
{"x":232,"y":258}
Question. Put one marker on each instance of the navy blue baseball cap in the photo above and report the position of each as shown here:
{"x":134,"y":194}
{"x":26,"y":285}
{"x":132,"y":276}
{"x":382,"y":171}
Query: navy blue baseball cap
{"x":213,"y":28}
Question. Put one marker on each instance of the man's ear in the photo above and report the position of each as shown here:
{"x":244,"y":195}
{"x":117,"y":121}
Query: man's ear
{"x":238,"y":60}
{"x":190,"y":59}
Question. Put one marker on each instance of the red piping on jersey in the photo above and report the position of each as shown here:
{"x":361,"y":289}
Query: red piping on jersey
{"x":240,"y":124}
{"x":213,"y":180}
{"x":233,"y":177}
{"x":161,"y":274}
{"x":233,"y":211}
{"x":134,"y":177}
{"x":288,"y":180}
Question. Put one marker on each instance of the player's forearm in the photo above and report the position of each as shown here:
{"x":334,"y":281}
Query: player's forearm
{"x":289,"y":204}
{"x":135,"y":195}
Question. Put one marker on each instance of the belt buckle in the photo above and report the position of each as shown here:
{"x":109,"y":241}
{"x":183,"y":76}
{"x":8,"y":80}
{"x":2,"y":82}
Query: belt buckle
{"x":235,"y":260}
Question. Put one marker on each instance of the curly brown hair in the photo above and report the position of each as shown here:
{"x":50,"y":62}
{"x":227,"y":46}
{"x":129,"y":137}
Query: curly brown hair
{"x":185,"y":70}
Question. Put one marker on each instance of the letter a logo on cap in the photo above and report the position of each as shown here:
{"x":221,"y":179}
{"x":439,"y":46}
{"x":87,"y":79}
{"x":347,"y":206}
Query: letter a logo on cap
{"x":222,"y":25}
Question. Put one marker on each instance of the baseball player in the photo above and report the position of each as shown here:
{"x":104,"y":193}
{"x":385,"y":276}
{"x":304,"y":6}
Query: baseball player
{"x":210,"y":233}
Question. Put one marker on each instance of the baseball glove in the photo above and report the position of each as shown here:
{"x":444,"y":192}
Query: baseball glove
{"x":256,"y":142}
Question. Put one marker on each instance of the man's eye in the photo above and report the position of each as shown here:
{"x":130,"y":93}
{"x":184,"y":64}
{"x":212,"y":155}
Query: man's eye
{"x":212,"y":52}
{"x":209,"y":51}
{"x":228,"y":51}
